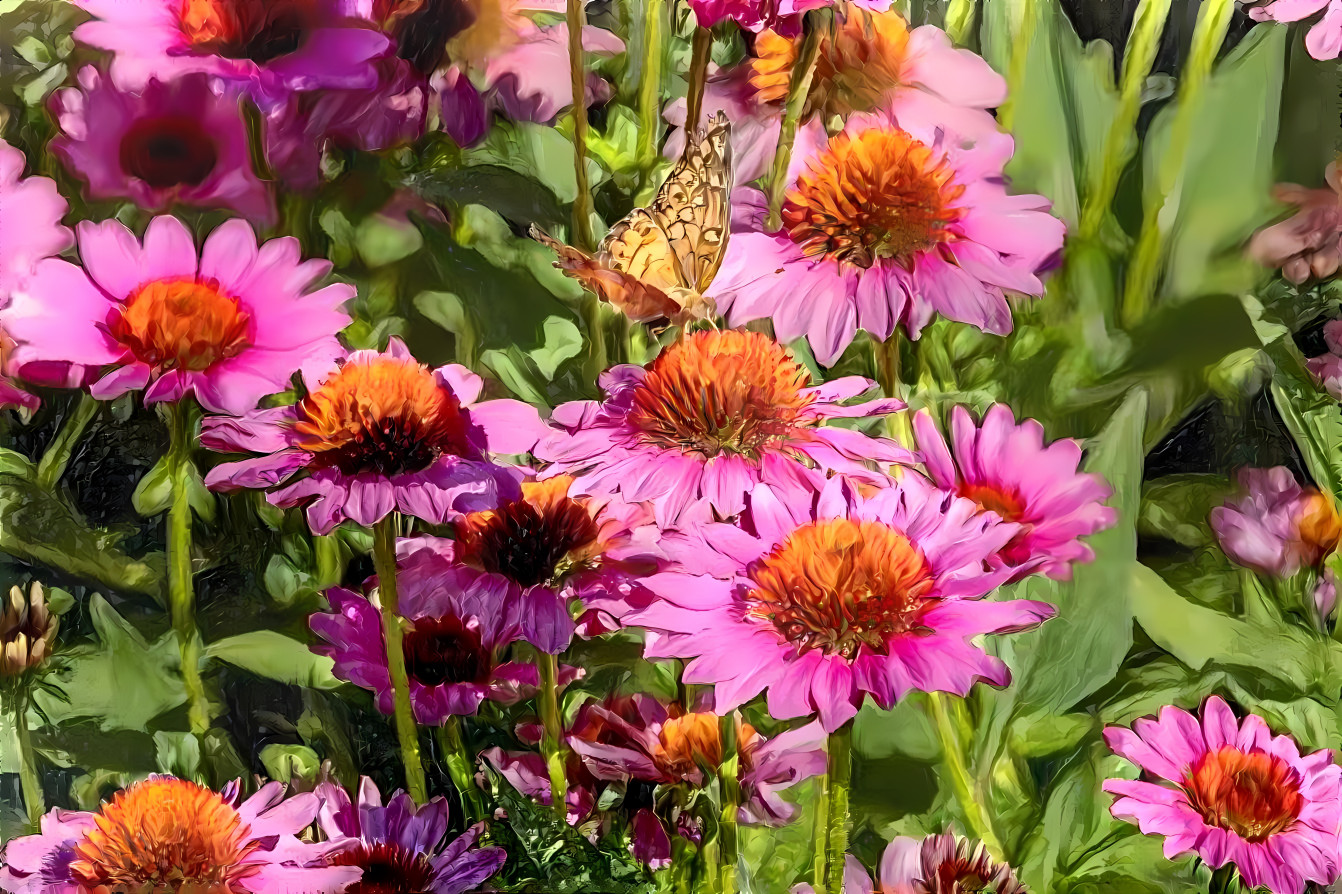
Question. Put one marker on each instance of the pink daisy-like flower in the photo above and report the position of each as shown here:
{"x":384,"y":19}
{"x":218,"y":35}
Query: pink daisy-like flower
{"x":821,"y":600}
{"x":1324,"y":40}
{"x":1004,"y":467}
{"x":1231,"y":792}
{"x":896,"y":219}
{"x":183,"y":140}
{"x":378,"y":433}
{"x":229,"y":324}
{"x":715,"y":414}
{"x":401,"y":847}
{"x":1327,"y":368}
{"x":1308,"y":244}
{"x":268,"y":46}
{"x":461,"y":625}
{"x":171,"y":834}
{"x":784,"y":16}
{"x":1275,"y":526}
{"x":937,"y":864}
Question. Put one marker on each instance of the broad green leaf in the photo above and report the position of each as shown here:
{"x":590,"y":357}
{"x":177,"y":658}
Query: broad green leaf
{"x":178,"y":753}
{"x":1176,"y":507}
{"x":538,"y":152}
{"x":275,"y":656}
{"x":563,"y":341}
{"x":510,"y":193}
{"x":288,"y":762}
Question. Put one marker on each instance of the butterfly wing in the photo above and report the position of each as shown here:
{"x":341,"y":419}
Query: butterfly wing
{"x":609,"y":274}
{"x":693,"y":207}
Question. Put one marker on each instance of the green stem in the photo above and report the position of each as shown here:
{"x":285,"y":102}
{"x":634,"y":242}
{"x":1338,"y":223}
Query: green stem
{"x":730,"y":788}
{"x":1020,"y":55}
{"x":29,"y":780}
{"x":582,"y":204}
{"x":181,"y":592}
{"x":952,"y":752}
{"x":1148,"y":23}
{"x":52,"y":465}
{"x":820,"y":835}
{"x":384,"y":562}
{"x":1208,"y":36}
{"x":959,"y":20}
{"x":552,"y":742}
{"x":1224,"y":881}
{"x":650,"y":85}
{"x":887,"y":373}
{"x":460,"y":767}
{"x":799,"y":89}
{"x":701,"y":51}
{"x":840,"y":773}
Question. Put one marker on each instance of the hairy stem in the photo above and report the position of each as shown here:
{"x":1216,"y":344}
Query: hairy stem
{"x":52,"y":465}
{"x":582,"y":205}
{"x":799,"y":88}
{"x":650,"y":85}
{"x":181,"y":592}
{"x":839,"y":772}
{"x":888,"y":375}
{"x":552,"y":742}
{"x":384,"y":561}
{"x":953,"y":753}
{"x":730,"y":788}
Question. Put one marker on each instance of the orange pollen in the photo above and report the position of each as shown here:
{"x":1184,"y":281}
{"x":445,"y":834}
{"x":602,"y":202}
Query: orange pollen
{"x":535,"y":540}
{"x":691,"y":742}
{"x":164,"y":835}
{"x":877,"y":194}
{"x":181,"y":324}
{"x":1318,"y":527}
{"x":259,"y":30}
{"x":721,"y":391}
{"x":1255,"y":795}
{"x":385,"y":415}
{"x":858,"y":65}
{"x":838,"y":585}
{"x":993,"y":499}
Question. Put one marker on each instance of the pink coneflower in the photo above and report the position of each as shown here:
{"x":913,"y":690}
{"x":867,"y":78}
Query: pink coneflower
{"x":269,"y":47}
{"x":167,"y":834}
{"x":1005,"y":467}
{"x":1327,"y":368}
{"x":1308,"y":244}
{"x":821,"y":600}
{"x":1231,"y":792}
{"x":1324,"y":40}
{"x":757,"y":15}
{"x":937,"y":864}
{"x":898,"y":218}
{"x":461,"y":625}
{"x":379,"y":433}
{"x":715,"y":414}
{"x":229,"y":323}
{"x":183,"y":140}
{"x":401,"y":847}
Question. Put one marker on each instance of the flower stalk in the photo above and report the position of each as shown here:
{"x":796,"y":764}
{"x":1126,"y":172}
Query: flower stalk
{"x":30,"y":782}
{"x":839,"y":773}
{"x":384,"y":561}
{"x":582,"y":204}
{"x":650,"y":86}
{"x":181,"y":590}
{"x":730,"y":790}
{"x":552,"y":740}
{"x":959,"y":20}
{"x":953,"y":754}
{"x":52,"y":465}
{"x":460,"y":767}
{"x":888,"y":375}
{"x":799,"y":88}
{"x":1020,"y":55}
{"x":701,"y":51}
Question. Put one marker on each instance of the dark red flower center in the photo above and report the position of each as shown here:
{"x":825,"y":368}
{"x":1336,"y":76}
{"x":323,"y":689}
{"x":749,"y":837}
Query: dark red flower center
{"x":259,"y":30}
{"x":445,"y":650}
{"x":174,"y":150}
{"x":387,"y":869}
{"x":532,"y":540}
{"x":1254,"y":794}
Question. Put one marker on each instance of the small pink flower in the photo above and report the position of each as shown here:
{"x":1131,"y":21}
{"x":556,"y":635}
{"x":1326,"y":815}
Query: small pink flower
{"x":1231,"y":792}
{"x":937,"y":864}
{"x":1327,"y":368}
{"x":1275,"y":526}
{"x":756,"y":15}
{"x":1324,"y":40}
{"x":183,"y":140}
{"x":229,"y":324}
{"x":1306,"y":245}
{"x":1005,"y":467}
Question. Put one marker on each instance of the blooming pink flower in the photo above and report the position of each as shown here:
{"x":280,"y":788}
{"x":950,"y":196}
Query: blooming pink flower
{"x":461,"y":626}
{"x":183,"y":140}
{"x":1309,"y":243}
{"x":1005,"y":468}
{"x":1276,"y":526}
{"x":165,"y":833}
{"x":1231,"y":792}
{"x":715,"y":414}
{"x":1327,"y":368}
{"x":379,"y":432}
{"x":937,"y":864}
{"x":821,"y":600}
{"x":852,"y":253}
{"x":229,"y":324}
{"x":1324,"y":40}
{"x":756,"y":15}
{"x":270,"y":47}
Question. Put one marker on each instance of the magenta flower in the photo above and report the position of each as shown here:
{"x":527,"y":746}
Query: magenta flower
{"x":461,"y":627}
{"x":851,"y":254}
{"x":1275,"y":526}
{"x":715,"y":414}
{"x":821,"y":601}
{"x":1231,"y":792}
{"x":1327,"y":368}
{"x":378,"y":433}
{"x":937,"y":864}
{"x":1004,"y":467}
{"x":270,"y":47}
{"x":784,"y":16}
{"x":229,"y":324}
{"x":1324,"y":40}
{"x":183,"y":140}
{"x":170,"y":834}
{"x":401,"y":847}
{"x":1308,"y":244}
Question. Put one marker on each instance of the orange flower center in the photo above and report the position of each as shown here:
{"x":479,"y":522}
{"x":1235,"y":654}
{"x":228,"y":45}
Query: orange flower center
{"x":838,"y":585}
{"x":1318,"y":527}
{"x":721,"y":391}
{"x":534,"y":540}
{"x":993,"y":499}
{"x":164,"y":835}
{"x":170,"y":151}
{"x":878,"y":194}
{"x":259,"y":30}
{"x":384,"y":415}
{"x":181,"y":324}
{"x":494,"y":27}
{"x":1254,"y":795}
{"x":858,"y":65}
{"x":691,"y":742}
{"x":445,"y":650}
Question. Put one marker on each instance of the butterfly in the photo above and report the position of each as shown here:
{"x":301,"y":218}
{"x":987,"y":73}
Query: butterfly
{"x":656,"y":263}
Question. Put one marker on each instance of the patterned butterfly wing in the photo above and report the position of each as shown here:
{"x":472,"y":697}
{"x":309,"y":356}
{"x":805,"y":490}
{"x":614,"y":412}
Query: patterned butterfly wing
{"x":693,"y":207}
{"x":607,"y":274}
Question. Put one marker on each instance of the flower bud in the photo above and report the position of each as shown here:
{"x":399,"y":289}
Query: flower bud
{"x":27,"y":631}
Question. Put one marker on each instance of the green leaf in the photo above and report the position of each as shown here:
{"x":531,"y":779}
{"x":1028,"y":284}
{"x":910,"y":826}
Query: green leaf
{"x":1176,"y":507}
{"x":563,"y":341}
{"x":1041,"y":733}
{"x":275,"y":656}
{"x":540,"y":153}
{"x":512,"y":194}
{"x":177,"y":753}
{"x":289,"y":762}
{"x":153,"y":493}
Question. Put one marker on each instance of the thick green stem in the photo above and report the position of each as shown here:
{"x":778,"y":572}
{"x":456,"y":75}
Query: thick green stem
{"x":1208,"y":36}
{"x":887,"y":373}
{"x":840,"y":774}
{"x":384,"y":562}
{"x":953,"y":754}
{"x":820,"y":835}
{"x":730,"y":788}
{"x":181,"y":592}
{"x":799,"y":89}
{"x":582,"y":204}
{"x":959,"y":20}
{"x":701,"y":51}
{"x":52,"y":465}
{"x":460,"y":767}
{"x":552,"y":741}
{"x":1020,"y":55}
{"x":29,"y":780}
{"x":650,"y":84}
